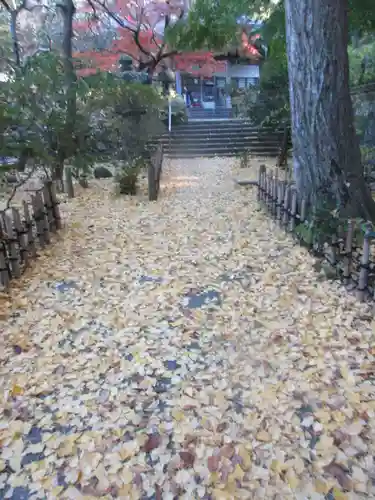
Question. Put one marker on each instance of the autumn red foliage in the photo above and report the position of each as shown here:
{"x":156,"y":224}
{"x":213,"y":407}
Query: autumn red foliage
{"x":135,"y":26}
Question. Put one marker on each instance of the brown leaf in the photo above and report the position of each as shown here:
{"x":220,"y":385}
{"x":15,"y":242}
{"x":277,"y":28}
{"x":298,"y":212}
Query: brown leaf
{"x":158,"y":492}
{"x":213,"y":463}
{"x":221,"y":427}
{"x":152,"y":442}
{"x":227,"y":451}
{"x":339,"y":437}
{"x":187,"y":458}
{"x":339,"y":473}
{"x":190,"y":440}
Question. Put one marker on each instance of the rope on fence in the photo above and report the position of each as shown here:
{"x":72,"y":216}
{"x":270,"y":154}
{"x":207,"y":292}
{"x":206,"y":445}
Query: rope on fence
{"x":19,"y":235}
{"x":351,"y":259}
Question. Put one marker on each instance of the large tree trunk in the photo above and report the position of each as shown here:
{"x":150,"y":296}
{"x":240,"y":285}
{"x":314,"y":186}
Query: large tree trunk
{"x":68,"y":145}
{"x":327,"y":158}
{"x":15,"y":41}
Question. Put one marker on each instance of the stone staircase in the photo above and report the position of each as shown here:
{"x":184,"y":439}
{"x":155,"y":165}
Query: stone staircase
{"x":220,"y":137}
{"x":219,"y":112}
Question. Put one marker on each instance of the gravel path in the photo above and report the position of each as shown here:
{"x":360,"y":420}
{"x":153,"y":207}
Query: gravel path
{"x":183,"y":349}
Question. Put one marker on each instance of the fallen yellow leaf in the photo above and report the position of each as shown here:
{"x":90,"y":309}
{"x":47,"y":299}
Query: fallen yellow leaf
{"x":237,"y":474}
{"x":263,"y":436}
{"x":245,"y":457}
{"x":17,"y":390}
{"x":339,"y":495}
{"x":321,"y":486}
{"x":291,"y":479}
{"x":177,"y":415}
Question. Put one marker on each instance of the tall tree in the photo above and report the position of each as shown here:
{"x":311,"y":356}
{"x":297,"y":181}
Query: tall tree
{"x":327,"y":158}
{"x":213,"y":24}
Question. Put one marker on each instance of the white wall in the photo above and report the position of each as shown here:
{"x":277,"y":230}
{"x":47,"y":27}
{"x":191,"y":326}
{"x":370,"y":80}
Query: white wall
{"x":240,"y":71}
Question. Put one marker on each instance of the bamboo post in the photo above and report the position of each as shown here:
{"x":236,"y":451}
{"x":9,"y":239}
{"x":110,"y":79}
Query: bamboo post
{"x":4,"y":270}
{"x":69,"y":188}
{"x":12,"y":241}
{"x":55,"y":205}
{"x":39,"y":220}
{"x":285,"y":219}
{"x":48,"y":206}
{"x":21,"y":232}
{"x":29,"y":230}
{"x":293,"y":210}
{"x":364,"y":271}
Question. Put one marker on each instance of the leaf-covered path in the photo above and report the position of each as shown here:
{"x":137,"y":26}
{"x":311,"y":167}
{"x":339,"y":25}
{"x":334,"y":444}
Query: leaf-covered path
{"x":183,"y":349}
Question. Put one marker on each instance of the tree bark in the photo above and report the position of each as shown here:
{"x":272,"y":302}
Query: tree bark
{"x":327,"y":157}
{"x":68,"y":11}
{"x":15,"y":41}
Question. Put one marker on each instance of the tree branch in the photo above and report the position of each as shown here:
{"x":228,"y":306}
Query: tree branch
{"x":6,"y":5}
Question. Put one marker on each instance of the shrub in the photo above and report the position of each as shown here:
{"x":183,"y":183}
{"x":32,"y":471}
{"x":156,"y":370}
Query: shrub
{"x":114,"y":120}
{"x":127,"y":175}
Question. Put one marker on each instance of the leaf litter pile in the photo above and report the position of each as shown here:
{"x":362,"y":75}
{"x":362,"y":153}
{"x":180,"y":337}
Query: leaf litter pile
{"x":183,"y":349}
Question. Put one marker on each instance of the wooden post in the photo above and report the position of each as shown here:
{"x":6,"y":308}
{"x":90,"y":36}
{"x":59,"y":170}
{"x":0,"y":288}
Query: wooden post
{"x":348,"y":251}
{"x":275,"y":193}
{"x":160,"y":163}
{"x":265,"y":189}
{"x":55,"y":205}
{"x":4,"y":270}
{"x":43,"y":215}
{"x":69,"y":188}
{"x":280,"y":202}
{"x":293,"y":210}
{"x":363,"y":274}
{"x":270,"y":187}
{"x":302,"y":216}
{"x":285,"y":219}
{"x":21,"y":232}
{"x":152,"y":191}
{"x":83,"y":182}
{"x":264,"y":186}
{"x":39,"y":220}
{"x":262,"y":169}
{"x":29,"y":230}
{"x":12,"y":241}
{"x":48,"y":206}
{"x":334,"y":249}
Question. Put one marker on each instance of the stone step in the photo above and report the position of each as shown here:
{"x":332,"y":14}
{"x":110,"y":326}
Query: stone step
{"x":199,"y":151}
{"x":222,"y":126}
{"x":221,"y":138}
{"x":222,"y":135}
{"x":211,"y":154}
{"x":211,"y":136}
{"x":216,"y":123}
